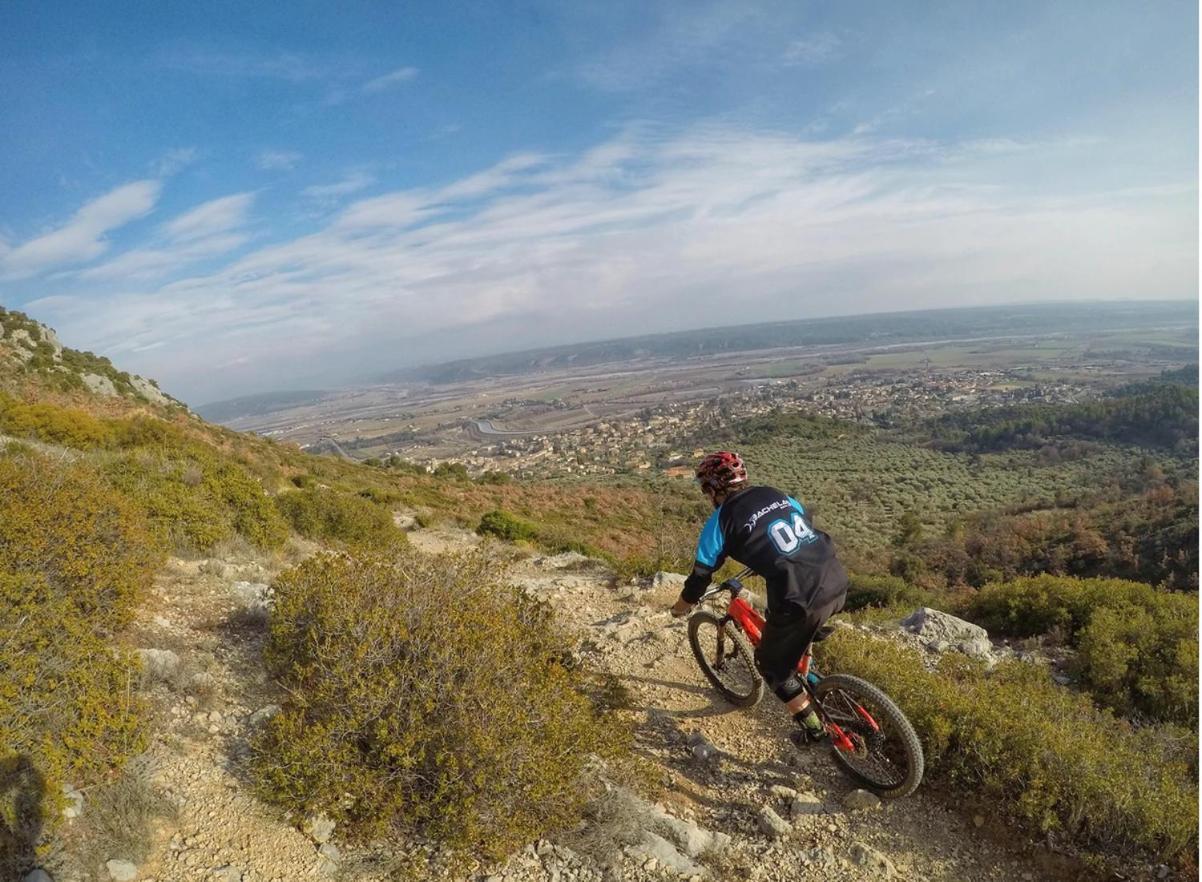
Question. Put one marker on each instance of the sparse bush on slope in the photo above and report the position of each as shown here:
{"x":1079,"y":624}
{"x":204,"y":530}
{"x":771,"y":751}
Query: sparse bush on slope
{"x":325,"y":514}
{"x":433,"y":694}
{"x":1044,"y":755}
{"x":1137,"y":645}
{"x":62,"y":522}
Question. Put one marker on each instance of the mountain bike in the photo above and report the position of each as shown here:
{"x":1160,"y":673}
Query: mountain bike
{"x":870,"y":737}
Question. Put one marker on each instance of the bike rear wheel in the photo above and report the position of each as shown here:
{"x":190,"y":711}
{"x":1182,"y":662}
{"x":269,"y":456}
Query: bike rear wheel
{"x":885,"y":753}
{"x":726,"y":658}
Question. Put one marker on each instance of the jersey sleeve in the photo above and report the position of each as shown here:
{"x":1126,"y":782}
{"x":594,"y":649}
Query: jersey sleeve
{"x":711,"y":544}
{"x":711,"y":553}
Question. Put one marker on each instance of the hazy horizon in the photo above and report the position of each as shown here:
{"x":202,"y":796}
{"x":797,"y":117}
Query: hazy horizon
{"x":239,"y":199}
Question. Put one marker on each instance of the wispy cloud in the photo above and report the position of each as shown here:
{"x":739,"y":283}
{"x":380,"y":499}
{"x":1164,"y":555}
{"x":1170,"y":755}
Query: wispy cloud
{"x":82,"y":237}
{"x":352,"y":183}
{"x":214,"y":216}
{"x":278,"y":160}
{"x":645,"y":232}
{"x":814,"y":50}
{"x":204,"y":232}
{"x":390,"y":80}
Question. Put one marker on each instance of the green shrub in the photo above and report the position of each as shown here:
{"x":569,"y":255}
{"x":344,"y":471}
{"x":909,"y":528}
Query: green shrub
{"x":868,"y":590}
{"x":325,"y":514}
{"x":62,"y":522}
{"x":424,"y":697}
{"x":505,"y":526}
{"x":1045,"y":755}
{"x":67,"y":712}
{"x":54,"y":425}
{"x":1137,"y":645}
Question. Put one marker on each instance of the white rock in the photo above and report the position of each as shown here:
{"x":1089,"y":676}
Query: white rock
{"x":772,"y":824}
{"x":148,"y":390}
{"x":861,"y":800}
{"x":158,"y":664}
{"x":691,"y":838}
{"x":319,"y":828}
{"x":74,"y":807}
{"x":865,"y":856}
{"x":654,"y":847}
{"x":934,"y":627}
{"x":660,"y":579}
{"x":101,"y":386}
{"x":806,"y":804}
{"x":227,"y":873}
{"x":121,"y":871}
{"x":262,"y":715}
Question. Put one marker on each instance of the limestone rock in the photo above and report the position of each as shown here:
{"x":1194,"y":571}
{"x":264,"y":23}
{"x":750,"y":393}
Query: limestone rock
{"x":74,"y":807}
{"x":806,"y":804}
{"x":660,"y":579}
{"x":227,"y":873}
{"x":100,"y":385}
{"x":37,"y":875}
{"x":934,"y":627}
{"x":158,"y":665}
{"x":262,"y":715}
{"x":866,"y":856}
{"x":148,"y":390}
{"x":772,"y":824}
{"x":653,"y":847}
{"x":319,"y":828}
{"x":861,"y":800}
{"x":121,"y":870}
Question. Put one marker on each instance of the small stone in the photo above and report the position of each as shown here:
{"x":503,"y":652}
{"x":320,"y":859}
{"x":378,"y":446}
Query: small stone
{"x":978,"y":821}
{"x":121,"y":871}
{"x":227,"y":873}
{"x":74,"y":807}
{"x":37,"y":875}
{"x":772,"y":824}
{"x":1162,"y":871}
{"x":806,"y":804}
{"x":866,"y":856}
{"x":319,"y":828}
{"x":780,"y":791}
{"x":158,"y":665}
{"x":861,"y":800}
{"x":262,"y":715}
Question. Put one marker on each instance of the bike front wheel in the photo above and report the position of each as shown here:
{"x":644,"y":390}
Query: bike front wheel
{"x":726,"y":658}
{"x":879,"y":747}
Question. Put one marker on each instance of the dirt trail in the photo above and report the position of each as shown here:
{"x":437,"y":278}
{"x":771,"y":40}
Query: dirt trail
{"x":209,"y":614}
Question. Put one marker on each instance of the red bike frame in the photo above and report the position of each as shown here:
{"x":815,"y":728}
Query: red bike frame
{"x":744,"y":615}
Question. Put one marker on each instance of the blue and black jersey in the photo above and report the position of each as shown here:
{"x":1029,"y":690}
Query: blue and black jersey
{"x":769,"y":531}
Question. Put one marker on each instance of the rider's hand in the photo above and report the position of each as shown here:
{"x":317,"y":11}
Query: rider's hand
{"x":681,"y":608}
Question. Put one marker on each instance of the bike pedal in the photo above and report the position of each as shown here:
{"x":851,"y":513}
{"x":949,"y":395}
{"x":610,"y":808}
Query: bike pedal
{"x":804,"y":737}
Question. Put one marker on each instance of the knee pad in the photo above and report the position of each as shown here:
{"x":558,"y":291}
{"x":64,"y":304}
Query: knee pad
{"x":789,"y":688}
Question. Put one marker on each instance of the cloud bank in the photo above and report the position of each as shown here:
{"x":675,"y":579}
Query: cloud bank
{"x":647,"y":231}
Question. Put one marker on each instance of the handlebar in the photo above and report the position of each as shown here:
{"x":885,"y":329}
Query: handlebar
{"x":733,"y":585}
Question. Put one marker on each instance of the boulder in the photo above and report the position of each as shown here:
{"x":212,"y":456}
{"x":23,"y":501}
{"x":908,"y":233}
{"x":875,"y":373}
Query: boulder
{"x":772,"y":824}
{"x":121,"y":870}
{"x":100,"y":385}
{"x":148,"y":390}
{"x":158,"y":665}
{"x":691,"y":838}
{"x":866,"y":856}
{"x":934,"y":627}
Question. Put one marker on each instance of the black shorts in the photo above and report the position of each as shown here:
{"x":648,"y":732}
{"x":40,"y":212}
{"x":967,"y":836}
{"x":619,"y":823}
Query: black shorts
{"x":786,"y":638}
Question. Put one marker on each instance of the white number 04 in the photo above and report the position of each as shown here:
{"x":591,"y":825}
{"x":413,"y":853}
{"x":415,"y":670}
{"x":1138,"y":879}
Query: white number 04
{"x":788,"y":535}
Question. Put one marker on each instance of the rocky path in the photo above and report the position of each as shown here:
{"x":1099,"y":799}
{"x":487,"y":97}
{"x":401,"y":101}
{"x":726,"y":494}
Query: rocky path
{"x":740,"y":801}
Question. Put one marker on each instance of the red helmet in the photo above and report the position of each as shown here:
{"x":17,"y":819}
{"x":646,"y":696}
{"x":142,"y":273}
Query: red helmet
{"x":720,"y":471}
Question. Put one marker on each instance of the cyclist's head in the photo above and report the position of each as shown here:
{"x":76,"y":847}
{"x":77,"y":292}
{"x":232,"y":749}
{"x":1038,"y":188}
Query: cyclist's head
{"x":721,"y":473}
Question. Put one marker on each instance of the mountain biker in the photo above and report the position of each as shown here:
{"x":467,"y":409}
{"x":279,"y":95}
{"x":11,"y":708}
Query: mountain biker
{"x":770,"y":532}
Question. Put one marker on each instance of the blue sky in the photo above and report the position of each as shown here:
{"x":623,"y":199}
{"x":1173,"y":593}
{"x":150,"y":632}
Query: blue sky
{"x":239,"y":197}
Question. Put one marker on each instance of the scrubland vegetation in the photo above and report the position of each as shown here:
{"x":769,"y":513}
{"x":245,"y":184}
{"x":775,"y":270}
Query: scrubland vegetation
{"x":470,"y":728}
{"x":1041,"y":754}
